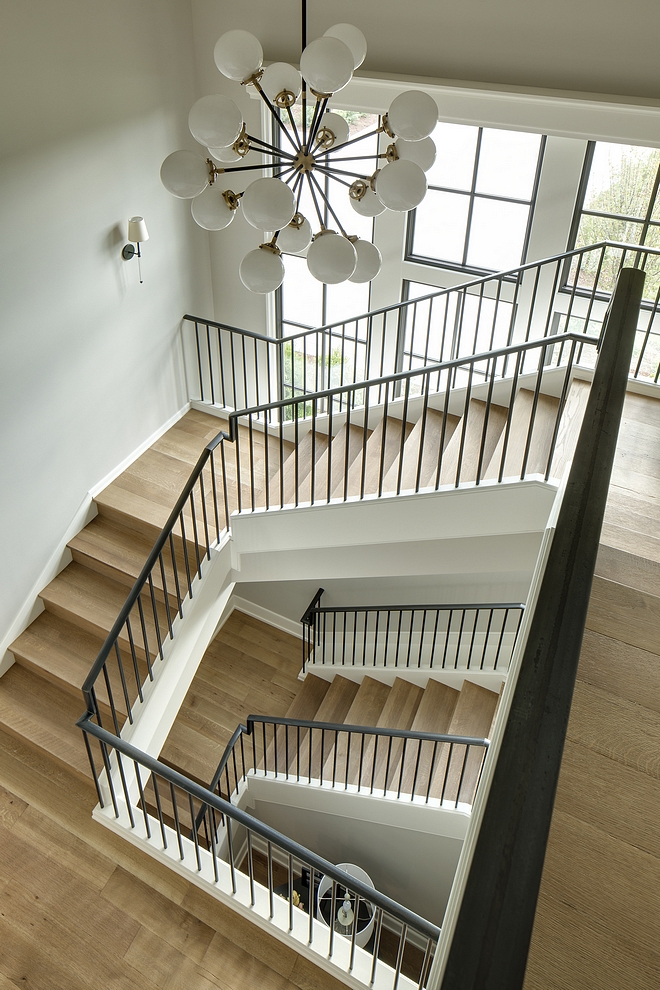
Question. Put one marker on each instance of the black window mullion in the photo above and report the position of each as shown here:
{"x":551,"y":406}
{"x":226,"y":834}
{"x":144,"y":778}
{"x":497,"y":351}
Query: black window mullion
{"x":475,"y":171}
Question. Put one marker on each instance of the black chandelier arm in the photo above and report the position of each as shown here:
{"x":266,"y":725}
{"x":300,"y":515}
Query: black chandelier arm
{"x":274,"y":114}
{"x":252,"y":168}
{"x":312,"y":126}
{"x":311,"y":189}
{"x":340,"y":171}
{"x":331,"y":175}
{"x":356,"y":158}
{"x":354,"y":140}
{"x":317,"y":122}
{"x":299,"y":187}
{"x":270,"y":147}
{"x":327,"y":203}
{"x":287,"y":168}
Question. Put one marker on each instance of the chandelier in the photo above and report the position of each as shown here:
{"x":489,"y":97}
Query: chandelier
{"x":313,"y":152}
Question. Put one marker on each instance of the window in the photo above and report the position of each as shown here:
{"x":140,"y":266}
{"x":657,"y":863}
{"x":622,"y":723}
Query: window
{"x":477,"y":213}
{"x":618,"y":201}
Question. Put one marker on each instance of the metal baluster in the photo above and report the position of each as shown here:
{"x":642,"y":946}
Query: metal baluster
{"x":213,"y":839}
{"x":165,"y":594}
{"x":185,"y":552}
{"x":431,"y":769}
{"x":225,"y":494}
{"x":142,"y":801}
{"x":230,"y":851}
{"x":312,"y":873}
{"x":90,"y":756}
{"x":378,"y":928}
{"x":399,"y":959}
{"x":176,"y":574}
{"x":270,"y":882}
{"x":123,"y":682}
{"x":290,"y":882}
{"x":175,"y":807}
{"x":199,"y":363}
{"x":155,"y":612}
{"x":205,"y":520}
{"x":333,"y":915}
{"x":194,"y":833}
{"x":136,"y":670}
{"x":250,"y":866}
{"x":491,"y":612}
{"x":195,"y":534}
{"x":113,"y":710}
{"x":387,"y":765}
{"x":356,"y":909}
{"x":159,"y":809}
{"x":108,"y":774}
{"x":129,"y":806}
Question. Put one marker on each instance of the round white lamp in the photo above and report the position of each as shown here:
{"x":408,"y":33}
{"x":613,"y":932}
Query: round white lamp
{"x":352,"y":38}
{"x":268,"y":204}
{"x":184,"y":174}
{"x":422,"y":152}
{"x":238,"y":55}
{"x":333,"y":130}
{"x":281,"y":83}
{"x":327,"y":65}
{"x":215,"y":121}
{"x":214,"y":209}
{"x":331,"y":258}
{"x":412,"y":115}
{"x":262,"y":270}
{"x":369,"y":261}
{"x":296,"y":237}
{"x":401,"y":186}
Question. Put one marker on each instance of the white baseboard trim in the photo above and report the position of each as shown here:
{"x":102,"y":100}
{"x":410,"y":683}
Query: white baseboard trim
{"x":133,"y":456}
{"x":33,"y":605}
{"x":264,"y":614}
{"x":61,"y":556}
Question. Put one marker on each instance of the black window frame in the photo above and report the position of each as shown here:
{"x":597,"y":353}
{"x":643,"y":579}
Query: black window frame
{"x":473,"y":194}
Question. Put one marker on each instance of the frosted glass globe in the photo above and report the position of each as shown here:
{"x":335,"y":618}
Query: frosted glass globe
{"x":184,"y":174}
{"x":268,"y":204}
{"x":335,"y":122}
{"x":226,"y":155}
{"x":352,"y":38}
{"x":210,"y":209}
{"x":401,"y":186}
{"x":280,"y":77}
{"x":369,"y":205}
{"x":413,"y":115}
{"x":327,"y":65}
{"x":368,"y":261}
{"x":295,"y":240}
{"x":215,"y":121}
{"x":238,"y":55}
{"x":422,"y":152}
{"x":261,"y":271}
{"x":331,"y":258}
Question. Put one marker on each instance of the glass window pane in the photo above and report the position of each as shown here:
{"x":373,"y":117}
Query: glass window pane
{"x":621,"y":179}
{"x":440,"y":225}
{"x":497,"y":234}
{"x":591,"y":231}
{"x":652,"y":264}
{"x":454,"y":164}
{"x":302,"y":295}
{"x":346,"y":301}
{"x":507,"y":163}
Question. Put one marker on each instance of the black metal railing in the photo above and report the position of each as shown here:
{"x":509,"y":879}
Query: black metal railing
{"x":479,"y":636}
{"x":429,"y":767}
{"x":261,"y":868}
{"x":480,"y":418}
{"x":166,"y":583}
{"x":236,"y":368}
{"x":490,"y":930}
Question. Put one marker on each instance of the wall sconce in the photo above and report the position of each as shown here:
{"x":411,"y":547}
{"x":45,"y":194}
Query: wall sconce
{"x":137,"y":233}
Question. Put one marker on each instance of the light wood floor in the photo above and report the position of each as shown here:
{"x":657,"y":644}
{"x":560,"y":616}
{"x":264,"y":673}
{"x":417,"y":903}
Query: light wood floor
{"x":597,"y":924}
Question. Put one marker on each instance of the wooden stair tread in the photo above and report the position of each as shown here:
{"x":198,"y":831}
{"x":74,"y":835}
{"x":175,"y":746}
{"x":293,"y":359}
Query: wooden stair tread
{"x":434,"y":714}
{"x":466,"y":441}
{"x":310,"y":449}
{"x":455,"y":775}
{"x":306,"y":703}
{"x":384,"y":446}
{"x":334,"y":708}
{"x":569,"y":426}
{"x":544,"y":418}
{"x":365,"y":709}
{"x":93,"y":602}
{"x":63,"y":654}
{"x":398,"y":712}
{"x":44,"y":716}
{"x":430,"y":431}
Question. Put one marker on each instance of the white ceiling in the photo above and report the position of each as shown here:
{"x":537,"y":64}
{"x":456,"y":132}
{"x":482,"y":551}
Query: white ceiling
{"x":596,"y":46}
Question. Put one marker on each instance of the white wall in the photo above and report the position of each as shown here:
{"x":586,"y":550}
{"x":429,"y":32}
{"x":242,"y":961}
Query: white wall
{"x":94,"y":96}
{"x":597,"y":46}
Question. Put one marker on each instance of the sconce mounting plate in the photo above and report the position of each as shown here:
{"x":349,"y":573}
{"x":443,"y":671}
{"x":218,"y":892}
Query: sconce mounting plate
{"x":128,"y":251}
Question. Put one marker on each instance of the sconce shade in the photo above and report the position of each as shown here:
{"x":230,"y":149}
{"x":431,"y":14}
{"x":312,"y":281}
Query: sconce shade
{"x":137,"y":230}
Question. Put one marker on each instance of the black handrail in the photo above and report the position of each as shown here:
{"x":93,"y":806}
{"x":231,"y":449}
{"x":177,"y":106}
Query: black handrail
{"x":150,"y":563}
{"x":265,"y":832}
{"x":493,"y":930}
{"x":427,"y":370}
{"x":562,"y":256}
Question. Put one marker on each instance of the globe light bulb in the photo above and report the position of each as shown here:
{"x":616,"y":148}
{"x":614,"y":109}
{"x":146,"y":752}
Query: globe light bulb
{"x":268,"y":204}
{"x":281,"y":78}
{"x":295,"y":238}
{"x":184,"y":174}
{"x":238,"y":55}
{"x":352,"y":38}
{"x":412,"y":115}
{"x":331,"y":258}
{"x":211,"y":210}
{"x":215,"y":121}
{"x":369,"y":261}
{"x":225,"y":155}
{"x":401,"y":186}
{"x":369,"y":205}
{"x":422,"y":152}
{"x":337,"y":126}
{"x":262,"y":270}
{"x":327,"y":65}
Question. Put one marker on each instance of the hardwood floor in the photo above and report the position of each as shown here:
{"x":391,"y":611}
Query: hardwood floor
{"x":81,"y":908}
{"x":597,"y":922}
